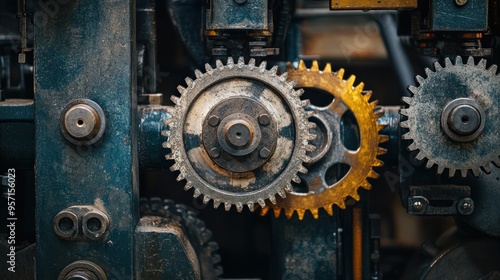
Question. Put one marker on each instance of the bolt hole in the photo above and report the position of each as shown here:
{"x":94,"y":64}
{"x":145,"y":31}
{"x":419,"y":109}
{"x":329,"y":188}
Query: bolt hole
{"x":66,"y":224}
{"x":79,"y":123}
{"x":94,"y":224}
{"x":238,"y":134}
{"x":465,"y":119}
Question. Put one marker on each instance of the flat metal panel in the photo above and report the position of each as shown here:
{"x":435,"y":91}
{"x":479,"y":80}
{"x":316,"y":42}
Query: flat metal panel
{"x":86,"y":49}
{"x":372,"y":4}
{"x":447,"y":16}
{"x":228,"y":14}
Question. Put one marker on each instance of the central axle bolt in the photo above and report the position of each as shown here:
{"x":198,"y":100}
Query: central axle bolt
{"x":239,"y":133}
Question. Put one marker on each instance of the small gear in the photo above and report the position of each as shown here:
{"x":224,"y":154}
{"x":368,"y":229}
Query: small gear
{"x":238,"y":134}
{"x":199,"y":235}
{"x":452,"y":117}
{"x":320,"y":191}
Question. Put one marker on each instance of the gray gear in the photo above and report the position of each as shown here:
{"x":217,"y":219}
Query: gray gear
{"x":453,"y":117}
{"x":197,"y":152}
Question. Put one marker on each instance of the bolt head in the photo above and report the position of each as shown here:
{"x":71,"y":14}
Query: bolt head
{"x":215,"y":152}
{"x":417,"y":205}
{"x":264,"y":153}
{"x":264,"y":119}
{"x":460,"y":2}
{"x":213,"y":120}
{"x":82,"y":121}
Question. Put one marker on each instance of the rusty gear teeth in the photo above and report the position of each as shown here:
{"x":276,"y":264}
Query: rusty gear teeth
{"x":350,"y":97}
{"x":195,"y":165}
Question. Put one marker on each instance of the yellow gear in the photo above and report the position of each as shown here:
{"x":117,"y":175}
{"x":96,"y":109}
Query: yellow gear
{"x":362,"y":160}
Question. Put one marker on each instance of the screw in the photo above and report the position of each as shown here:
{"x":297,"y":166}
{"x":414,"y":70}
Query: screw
{"x":460,"y":2}
{"x":417,"y":205}
{"x":214,"y":152}
{"x":466,"y":206}
{"x":264,"y":153}
{"x":264,"y":119}
{"x":213,"y":120}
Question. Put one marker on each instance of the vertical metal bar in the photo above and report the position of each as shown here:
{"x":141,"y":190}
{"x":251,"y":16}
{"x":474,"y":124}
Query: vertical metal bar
{"x":357,"y":243}
{"x":86,"y":49}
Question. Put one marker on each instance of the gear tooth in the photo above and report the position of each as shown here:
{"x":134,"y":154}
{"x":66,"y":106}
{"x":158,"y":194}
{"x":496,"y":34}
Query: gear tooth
{"x":302,"y":170}
{"x":493,"y":68}
{"x":219,"y":63}
{"x":169,"y":157}
{"x":377,"y":163}
{"x":475,"y":172}
{"x":310,"y":148}
{"x":365,"y":185}
{"x":171,"y":111}
{"x":451,"y":171}
{"x":208,"y":68}
{"x":276,"y":212}
{"x":216,"y":203}
{"x":486,"y":168}
{"x":300,"y":213}
{"x":463,"y":172}
{"x":482,"y":63}
{"x":328,"y":68}
{"x":241,"y":61}
{"x":412,"y":147}
{"x":239,"y":207}
{"x":261,"y":202}
{"x":311,"y":125}
{"x":429,"y":164}
{"x":264,"y":211}
{"x":380,"y":127}
{"x":296,"y":179}
{"x":305,"y":102}
{"x":428,"y":72}
{"x":198,"y":73}
{"x":311,"y":136}
{"x":299,"y":92}
{"x":383,"y":138}
{"x":165,"y":133}
{"x":437,"y":66}
{"x":251,"y":62}
{"x":315,"y":213}
{"x":406,"y":99}
{"x":188,"y":186}
{"x":310,"y":114}
{"x":282,"y":193}
{"x":404,"y":124}
{"x":306,"y":159}
{"x":458,"y":60}
{"x":315,"y":66}
{"x":355,"y":196}
{"x":447,"y":62}
{"x":420,"y":80}
{"x":166,"y":121}
{"x":181,"y":177}
{"x":341,"y":204}
{"x":288,"y":187}
{"x":262,"y":66}
{"x":189,"y":81}
{"x":440,"y":169}
{"x":372,"y":174}
{"x":374,"y":104}
{"x":359,"y":88}
{"x":406,"y":136}
{"x":413,"y":89}
{"x":175,"y":167}
{"x":420,"y":156}
{"x":284,"y":76}
{"x":302,"y":66}
{"x":367,"y":95}
{"x":167,"y":144}
{"x":404,"y":112}
{"x":289,"y":67}
{"x":381,"y":151}
{"x":206,"y":199}
{"x":230,"y":62}
{"x":227,"y":206}
{"x":289,"y":213}
{"x":175,"y":99}
{"x":329,"y":209}
{"x":272,"y":198}
{"x":251,"y":206}
{"x":340,"y":73}
{"x":350,"y":81}
{"x":470,"y":61}
{"x":196,"y":193}
{"x":273,"y":70}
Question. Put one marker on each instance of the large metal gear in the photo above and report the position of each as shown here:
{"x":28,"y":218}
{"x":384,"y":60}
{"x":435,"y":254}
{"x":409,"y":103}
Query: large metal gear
{"x":323,"y":189}
{"x":239,"y":134}
{"x":452,"y":118}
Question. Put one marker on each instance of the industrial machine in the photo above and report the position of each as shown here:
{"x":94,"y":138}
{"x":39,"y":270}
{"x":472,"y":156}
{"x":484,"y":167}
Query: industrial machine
{"x":250,"y":139}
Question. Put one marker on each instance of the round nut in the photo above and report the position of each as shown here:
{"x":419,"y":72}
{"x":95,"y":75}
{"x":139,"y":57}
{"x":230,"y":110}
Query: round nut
{"x":95,"y":224}
{"x":82,"y":122}
{"x":65,"y":225}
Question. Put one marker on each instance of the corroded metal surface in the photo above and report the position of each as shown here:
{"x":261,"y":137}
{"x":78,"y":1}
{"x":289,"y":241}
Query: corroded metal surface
{"x":192,"y":158}
{"x":319,"y":192}
{"x":372,"y":4}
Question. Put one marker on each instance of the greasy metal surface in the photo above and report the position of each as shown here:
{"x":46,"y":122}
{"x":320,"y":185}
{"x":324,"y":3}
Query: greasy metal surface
{"x":372,"y":4}
{"x":440,"y":200}
{"x":224,"y":15}
{"x":448,"y":16}
{"x":149,"y":138}
{"x":447,"y":83}
{"x":200,"y":237}
{"x":163,"y":251}
{"x":319,"y":193}
{"x":307,"y":249}
{"x":195,"y":103}
{"x":86,"y":50}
